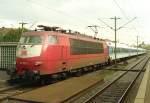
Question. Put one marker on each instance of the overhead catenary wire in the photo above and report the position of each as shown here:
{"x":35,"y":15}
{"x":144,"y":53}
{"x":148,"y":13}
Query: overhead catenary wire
{"x":33,"y":24}
{"x":115,"y":29}
{"x":83,"y":21}
{"x":122,"y":11}
{"x":106,"y":23}
{"x":124,"y":14}
{"x":133,"y":10}
{"x":70,"y":16}
{"x":126,"y":23}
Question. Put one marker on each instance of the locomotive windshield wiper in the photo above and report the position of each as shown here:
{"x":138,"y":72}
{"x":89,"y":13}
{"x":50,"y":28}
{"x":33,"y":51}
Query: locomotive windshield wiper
{"x":32,"y":45}
{"x":24,"y":47}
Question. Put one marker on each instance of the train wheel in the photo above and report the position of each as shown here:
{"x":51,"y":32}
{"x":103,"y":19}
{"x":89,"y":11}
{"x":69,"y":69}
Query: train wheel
{"x":44,"y":80}
{"x":78,"y":73}
{"x":63,"y":76}
{"x":92,"y":68}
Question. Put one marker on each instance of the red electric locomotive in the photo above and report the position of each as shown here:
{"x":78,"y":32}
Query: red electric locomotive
{"x":53,"y":51}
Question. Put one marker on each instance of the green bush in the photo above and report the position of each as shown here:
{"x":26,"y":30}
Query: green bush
{"x":12,"y":35}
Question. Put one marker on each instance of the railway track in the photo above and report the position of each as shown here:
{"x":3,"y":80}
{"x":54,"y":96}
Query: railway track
{"x":8,"y":91}
{"x":113,"y":92}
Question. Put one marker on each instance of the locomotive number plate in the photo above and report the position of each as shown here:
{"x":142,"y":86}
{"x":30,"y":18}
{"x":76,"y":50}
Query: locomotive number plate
{"x":23,"y":52}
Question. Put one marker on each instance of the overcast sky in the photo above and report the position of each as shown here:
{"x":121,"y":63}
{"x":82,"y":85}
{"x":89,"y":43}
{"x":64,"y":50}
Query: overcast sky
{"x":78,"y":14}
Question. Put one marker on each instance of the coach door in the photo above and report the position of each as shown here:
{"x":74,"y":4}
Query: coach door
{"x":64,"y":53}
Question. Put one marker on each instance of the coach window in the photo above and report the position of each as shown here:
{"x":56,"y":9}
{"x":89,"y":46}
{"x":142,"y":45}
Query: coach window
{"x":52,"y":39}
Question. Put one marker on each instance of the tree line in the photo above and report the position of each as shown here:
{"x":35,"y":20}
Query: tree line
{"x":10,"y":35}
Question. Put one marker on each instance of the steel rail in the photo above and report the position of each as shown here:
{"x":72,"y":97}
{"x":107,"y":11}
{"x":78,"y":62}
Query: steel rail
{"x":73,"y":97}
{"x":120,"y":100}
{"x":24,"y":101}
{"x":132,"y":83}
{"x":6,"y":93}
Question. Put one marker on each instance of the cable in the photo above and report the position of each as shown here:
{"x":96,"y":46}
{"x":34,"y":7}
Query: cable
{"x":123,"y":12}
{"x":59,"y":11}
{"x":133,"y":10}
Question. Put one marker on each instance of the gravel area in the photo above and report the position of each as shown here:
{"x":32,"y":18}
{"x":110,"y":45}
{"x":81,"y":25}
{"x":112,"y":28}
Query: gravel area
{"x":3,"y":76}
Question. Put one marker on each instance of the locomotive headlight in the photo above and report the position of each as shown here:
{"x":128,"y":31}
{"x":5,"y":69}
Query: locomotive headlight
{"x":38,"y":63}
{"x":36,"y":72}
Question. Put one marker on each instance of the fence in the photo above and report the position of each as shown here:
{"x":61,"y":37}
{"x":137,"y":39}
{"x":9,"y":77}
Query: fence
{"x":7,"y":55}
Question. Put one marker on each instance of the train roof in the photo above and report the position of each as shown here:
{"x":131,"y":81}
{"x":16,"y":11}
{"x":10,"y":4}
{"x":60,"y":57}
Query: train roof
{"x":61,"y":32}
{"x":77,"y":35}
{"x":122,"y":45}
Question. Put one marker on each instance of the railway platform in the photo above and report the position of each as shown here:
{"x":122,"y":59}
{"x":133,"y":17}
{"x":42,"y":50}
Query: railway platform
{"x":57,"y":92}
{"x":63,"y":90}
{"x":143,"y":94}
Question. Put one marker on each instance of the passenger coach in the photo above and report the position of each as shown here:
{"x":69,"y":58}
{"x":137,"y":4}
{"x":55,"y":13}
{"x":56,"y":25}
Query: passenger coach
{"x":123,"y":51}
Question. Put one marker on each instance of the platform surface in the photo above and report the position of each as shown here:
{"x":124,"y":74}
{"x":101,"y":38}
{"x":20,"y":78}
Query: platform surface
{"x":55,"y":93}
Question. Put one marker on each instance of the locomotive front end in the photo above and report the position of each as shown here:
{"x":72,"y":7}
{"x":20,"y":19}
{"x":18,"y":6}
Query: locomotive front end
{"x":28,"y":55}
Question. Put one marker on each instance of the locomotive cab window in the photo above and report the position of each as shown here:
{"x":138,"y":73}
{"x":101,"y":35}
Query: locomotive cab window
{"x":31,"y":40}
{"x":52,"y":39}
